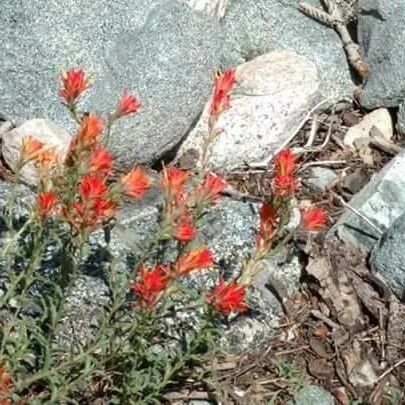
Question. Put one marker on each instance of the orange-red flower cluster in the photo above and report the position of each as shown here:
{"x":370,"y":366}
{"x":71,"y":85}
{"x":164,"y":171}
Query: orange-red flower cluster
{"x":228,"y":297}
{"x":223,"y":86}
{"x":284,"y":182}
{"x":92,"y":206}
{"x":184,"y":231}
{"x":314,"y":219}
{"x":268,"y":227}
{"x":6,"y":385}
{"x":46,"y":202}
{"x":173,"y":179}
{"x":100,"y":161}
{"x":135,"y":183}
{"x":152,"y":284}
{"x":127,"y":105}
{"x":193,"y":260}
{"x":35,"y":150}
{"x":88,"y":136}
{"x":177,"y":213}
{"x":88,"y":201}
{"x":210,"y":189}
{"x":31,"y":148}
{"x":73,"y":83}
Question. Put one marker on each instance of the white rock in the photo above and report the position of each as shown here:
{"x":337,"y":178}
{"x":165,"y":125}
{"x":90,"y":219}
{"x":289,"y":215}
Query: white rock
{"x":380,"y":118}
{"x":273,"y":93}
{"x":44,"y":130}
{"x":213,"y":8}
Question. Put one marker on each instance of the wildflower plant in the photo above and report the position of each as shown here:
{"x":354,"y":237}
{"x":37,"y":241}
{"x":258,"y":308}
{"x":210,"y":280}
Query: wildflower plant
{"x":127,"y":359}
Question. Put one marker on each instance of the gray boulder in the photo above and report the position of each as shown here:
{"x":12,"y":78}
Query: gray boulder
{"x":262,"y":26}
{"x":381,"y":37}
{"x":388,"y":257}
{"x":382,"y":201}
{"x":163,"y":54}
{"x":161,"y":50}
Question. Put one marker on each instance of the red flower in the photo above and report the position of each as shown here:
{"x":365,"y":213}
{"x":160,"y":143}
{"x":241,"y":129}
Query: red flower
{"x":103,"y":210}
{"x":184,"y":232}
{"x":314,"y":219}
{"x":92,"y":187}
{"x":47,"y":159}
{"x":135,"y":183}
{"x":222,"y":88}
{"x":228,"y":297}
{"x":284,"y":163}
{"x":6,"y":384}
{"x":46,"y":202}
{"x":284,"y":185}
{"x":73,"y":83}
{"x":192,"y":260}
{"x":31,"y":148}
{"x":151,"y":284}
{"x":127,"y":104}
{"x":89,"y":215}
{"x":209,"y":190}
{"x":89,"y":132}
{"x":173,"y":179}
{"x":268,"y":226}
{"x":100,"y":160}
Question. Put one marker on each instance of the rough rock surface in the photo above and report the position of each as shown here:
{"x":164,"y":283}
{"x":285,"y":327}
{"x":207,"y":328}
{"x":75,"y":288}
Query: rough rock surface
{"x":388,"y":257}
{"x":131,"y":45}
{"x":262,"y":26}
{"x":213,"y":8}
{"x":313,"y":394}
{"x":401,"y":119}
{"x":380,"y":118}
{"x":165,"y":55}
{"x":273,"y":94}
{"x":44,"y":130}
{"x":320,"y":178}
{"x":381,"y":37}
{"x":382,"y":201}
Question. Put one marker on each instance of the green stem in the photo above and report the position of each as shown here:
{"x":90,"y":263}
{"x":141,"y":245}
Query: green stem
{"x":16,"y":237}
{"x":110,"y":121}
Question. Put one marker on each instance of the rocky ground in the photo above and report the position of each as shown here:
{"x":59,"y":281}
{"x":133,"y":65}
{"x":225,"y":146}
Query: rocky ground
{"x":329,"y":328}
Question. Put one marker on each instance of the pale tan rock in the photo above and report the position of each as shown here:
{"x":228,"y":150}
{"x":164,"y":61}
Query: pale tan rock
{"x":44,"y":130}
{"x":380,"y":118}
{"x":273,"y":94}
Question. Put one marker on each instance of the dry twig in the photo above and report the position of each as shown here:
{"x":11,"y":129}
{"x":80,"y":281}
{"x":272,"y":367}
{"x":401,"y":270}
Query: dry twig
{"x":334,"y":18}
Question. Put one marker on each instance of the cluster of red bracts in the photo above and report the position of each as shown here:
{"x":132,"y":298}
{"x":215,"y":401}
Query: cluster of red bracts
{"x":94,"y":201}
{"x":153,"y":284}
{"x":180,"y":204}
{"x":284,"y":185}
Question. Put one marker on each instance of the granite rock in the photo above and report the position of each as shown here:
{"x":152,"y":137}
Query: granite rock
{"x":380,"y":22}
{"x":320,"y":178}
{"x":388,"y":257}
{"x":262,"y":26}
{"x":43,"y":130}
{"x":380,"y":118}
{"x":162,"y":51}
{"x":272,"y":95}
{"x":401,"y":119}
{"x":313,"y":394}
{"x":382,"y":201}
